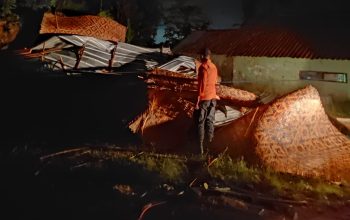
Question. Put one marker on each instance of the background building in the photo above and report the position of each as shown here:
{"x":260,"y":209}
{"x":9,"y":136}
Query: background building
{"x":275,"y":61}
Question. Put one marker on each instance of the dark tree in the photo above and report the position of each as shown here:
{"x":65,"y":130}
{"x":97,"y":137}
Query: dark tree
{"x":78,"y":6}
{"x":180,"y":19}
{"x":141,"y":17}
{"x":7,"y":6}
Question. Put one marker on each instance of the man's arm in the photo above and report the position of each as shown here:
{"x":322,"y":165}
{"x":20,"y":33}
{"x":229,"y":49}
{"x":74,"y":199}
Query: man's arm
{"x":218,"y":82}
{"x":201,"y":78}
{"x":197,"y":103}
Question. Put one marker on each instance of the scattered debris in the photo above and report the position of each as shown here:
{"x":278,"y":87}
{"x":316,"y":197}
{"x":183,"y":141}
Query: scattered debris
{"x":222,"y":189}
{"x":231,"y":202}
{"x":259,"y":199}
{"x":124,"y":189}
{"x":212,"y":161}
{"x":143,"y":194}
{"x":74,"y":150}
{"x":192,"y":182}
{"x":90,"y":44}
{"x":206,"y":186}
{"x":261,"y":212}
{"x":181,"y":193}
{"x":148,"y":207}
{"x":182,"y":64}
{"x":167,"y":187}
{"x":79,"y":166}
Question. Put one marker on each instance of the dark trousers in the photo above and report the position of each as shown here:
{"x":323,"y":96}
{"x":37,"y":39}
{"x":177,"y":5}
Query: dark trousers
{"x":206,"y":118}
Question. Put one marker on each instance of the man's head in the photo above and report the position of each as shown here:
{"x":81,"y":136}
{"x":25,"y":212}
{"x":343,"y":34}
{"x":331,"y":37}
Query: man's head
{"x":205,"y":54}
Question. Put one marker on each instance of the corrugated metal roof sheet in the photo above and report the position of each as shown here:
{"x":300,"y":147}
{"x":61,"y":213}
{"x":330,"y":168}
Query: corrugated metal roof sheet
{"x":257,"y":42}
{"x":96,"y":54}
{"x":181,"y":64}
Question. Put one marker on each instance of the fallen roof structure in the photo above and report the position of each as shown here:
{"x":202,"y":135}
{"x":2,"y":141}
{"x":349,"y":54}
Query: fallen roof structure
{"x":172,"y":98}
{"x":181,"y":64}
{"x":291,"y":134}
{"x":85,"y":53}
{"x":90,"y":44}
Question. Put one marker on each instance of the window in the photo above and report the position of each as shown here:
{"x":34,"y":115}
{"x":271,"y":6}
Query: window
{"x":323,"y":76}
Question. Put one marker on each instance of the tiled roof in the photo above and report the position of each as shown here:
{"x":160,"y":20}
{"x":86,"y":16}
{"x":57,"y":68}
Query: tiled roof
{"x":258,"y":42}
{"x":93,"y":26}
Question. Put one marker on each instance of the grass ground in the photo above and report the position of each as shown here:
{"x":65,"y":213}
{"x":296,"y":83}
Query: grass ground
{"x":114,"y":183}
{"x":220,"y":172}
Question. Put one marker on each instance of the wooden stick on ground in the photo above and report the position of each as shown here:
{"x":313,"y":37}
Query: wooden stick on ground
{"x":251,"y":121}
{"x":149,"y":206}
{"x":258,"y":199}
{"x":63,"y":152}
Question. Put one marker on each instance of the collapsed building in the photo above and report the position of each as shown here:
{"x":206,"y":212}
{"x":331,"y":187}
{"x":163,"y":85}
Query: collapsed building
{"x":90,"y":44}
{"x":290,"y":134}
{"x":167,"y":122}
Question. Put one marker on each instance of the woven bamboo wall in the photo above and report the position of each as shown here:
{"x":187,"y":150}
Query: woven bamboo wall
{"x":93,"y":26}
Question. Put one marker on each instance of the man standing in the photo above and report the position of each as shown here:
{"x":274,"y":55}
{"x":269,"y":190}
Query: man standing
{"x":206,"y":101}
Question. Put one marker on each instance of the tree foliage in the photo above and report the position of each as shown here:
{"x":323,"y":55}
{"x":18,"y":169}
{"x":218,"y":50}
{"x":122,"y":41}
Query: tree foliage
{"x":141,"y":17}
{"x":130,"y":33}
{"x":73,"y":5}
{"x":105,"y":13}
{"x":7,"y":7}
{"x":180,"y":19}
{"x":35,"y":4}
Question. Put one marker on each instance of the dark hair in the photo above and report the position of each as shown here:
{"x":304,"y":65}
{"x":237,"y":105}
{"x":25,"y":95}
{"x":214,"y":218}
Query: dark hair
{"x":205,"y":52}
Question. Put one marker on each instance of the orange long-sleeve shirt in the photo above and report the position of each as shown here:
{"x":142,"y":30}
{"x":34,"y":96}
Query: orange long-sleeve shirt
{"x":207,"y":79}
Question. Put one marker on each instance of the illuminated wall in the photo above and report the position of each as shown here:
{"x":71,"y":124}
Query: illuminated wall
{"x":225,"y":67}
{"x":279,"y":76}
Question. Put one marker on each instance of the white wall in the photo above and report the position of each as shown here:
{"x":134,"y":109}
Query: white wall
{"x":281,"y":75}
{"x":224,"y":65}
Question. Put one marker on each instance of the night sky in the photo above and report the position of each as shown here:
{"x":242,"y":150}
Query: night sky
{"x":222,"y":14}
{"x":305,"y":15}
{"x":225,"y":14}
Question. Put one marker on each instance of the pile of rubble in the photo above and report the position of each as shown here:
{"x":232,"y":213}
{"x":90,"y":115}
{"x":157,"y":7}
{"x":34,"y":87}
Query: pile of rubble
{"x":90,"y":44}
{"x":290,"y":134}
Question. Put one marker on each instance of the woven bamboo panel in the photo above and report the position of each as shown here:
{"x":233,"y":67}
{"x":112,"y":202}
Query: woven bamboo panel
{"x":93,"y":26}
{"x":167,"y":122}
{"x":292,"y":134}
{"x":180,"y":82}
{"x":295,"y":135}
